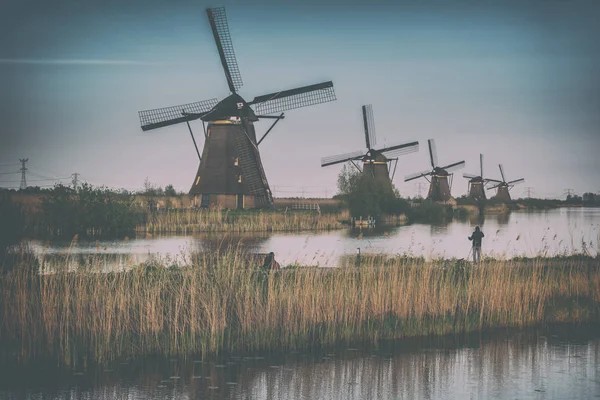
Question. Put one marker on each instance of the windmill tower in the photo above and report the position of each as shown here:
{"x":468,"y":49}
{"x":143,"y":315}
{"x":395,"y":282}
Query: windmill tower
{"x":231,"y":173}
{"x":376,"y":162}
{"x":476,"y":183}
{"x":439,"y":190}
{"x":503,"y":193}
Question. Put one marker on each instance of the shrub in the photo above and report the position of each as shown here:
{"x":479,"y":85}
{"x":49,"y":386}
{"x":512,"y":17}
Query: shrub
{"x":369,"y":197}
{"x":89,"y":211}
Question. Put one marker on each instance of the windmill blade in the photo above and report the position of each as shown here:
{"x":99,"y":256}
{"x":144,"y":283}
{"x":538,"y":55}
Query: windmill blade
{"x":432,"y":153}
{"x":516,"y":181}
{"x":494,"y":187}
{"x":220,"y":30}
{"x":159,"y":117}
{"x":366,"y":127}
{"x":502,"y":172}
{"x":330,"y":160}
{"x":481,"y":164}
{"x":454,"y":167}
{"x":470,"y":176}
{"x":294,"y":98}
{"x":369,"y":124}
{"x":400,"y":149}
{"x":416,"y":176}
{"x":492,"y":180}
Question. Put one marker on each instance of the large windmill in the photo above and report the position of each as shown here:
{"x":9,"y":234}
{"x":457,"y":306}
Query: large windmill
{"x":503,"y":186}
{"x":231,"y":172}
{"x":439,"y":190}
{"x":375,"y":161}
{"x":476,"y":183}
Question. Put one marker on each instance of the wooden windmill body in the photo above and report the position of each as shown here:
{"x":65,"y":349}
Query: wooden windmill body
{"x":375,"y":162}
{"x":503,"y":187}
{"x":477,"y":184}
{"x":231,"y":173}
{"x":439,"y":188}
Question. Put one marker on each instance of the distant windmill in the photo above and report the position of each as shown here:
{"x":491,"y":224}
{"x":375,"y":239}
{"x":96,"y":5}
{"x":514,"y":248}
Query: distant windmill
{"x":375,"y":161}
{"x":476,"y":183}
{"x":504,"y":186}
{"x":231,"y":172}
{"x":439,"y":190}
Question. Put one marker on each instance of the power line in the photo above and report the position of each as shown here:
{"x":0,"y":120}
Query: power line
{"x":528,"y":190}
{"x":35,"y":180}
{"x":47,"y":169}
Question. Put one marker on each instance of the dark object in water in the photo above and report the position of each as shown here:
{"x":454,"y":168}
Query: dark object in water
{"x":270,"y":262}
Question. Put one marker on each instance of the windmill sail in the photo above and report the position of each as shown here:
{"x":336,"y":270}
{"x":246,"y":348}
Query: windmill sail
{"x":369,"y":125}
{"x":416,"y":176}
{"x":340,"y":158}
{"x":293,"y":98}
{"x":439,"y":190}
{"x":516,"y":181}
{"x":400,"y":149}
{"x":218,"y":23}
{"x":166,"y":116}
{"x":454,"y":166}
{"x":432,"y":153}
{"x":231,"y":173}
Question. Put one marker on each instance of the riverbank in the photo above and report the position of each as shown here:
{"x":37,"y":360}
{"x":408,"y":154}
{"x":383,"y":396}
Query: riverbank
{"x":217,"y":220}
{"x":225,"y":304}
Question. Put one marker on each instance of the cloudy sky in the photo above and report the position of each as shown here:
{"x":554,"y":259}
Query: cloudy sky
{"x":515,"y":80}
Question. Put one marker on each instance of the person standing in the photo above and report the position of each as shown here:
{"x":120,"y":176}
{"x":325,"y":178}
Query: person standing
{"x":476,"y":239}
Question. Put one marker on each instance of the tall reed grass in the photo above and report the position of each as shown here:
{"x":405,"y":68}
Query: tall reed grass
{"x":224,"y":303}
{"x":218,"y":220}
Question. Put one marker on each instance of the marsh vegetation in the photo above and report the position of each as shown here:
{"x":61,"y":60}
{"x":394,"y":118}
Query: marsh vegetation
{"x":226,"y":303}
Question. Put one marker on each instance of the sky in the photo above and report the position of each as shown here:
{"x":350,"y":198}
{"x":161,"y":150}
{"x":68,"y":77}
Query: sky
{"x":515,"y":80}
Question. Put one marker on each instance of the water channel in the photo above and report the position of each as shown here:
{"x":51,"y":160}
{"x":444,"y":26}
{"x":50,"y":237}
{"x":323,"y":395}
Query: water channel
{"x":554,"y":363}
{"x":518,"y":233}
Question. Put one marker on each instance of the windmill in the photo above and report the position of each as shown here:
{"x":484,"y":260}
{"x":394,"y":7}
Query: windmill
{"x":476,"y":183}
{"x":375,"y":161}
{"x":231,"y":173}
{"x":503,"y":186}
{"x":439,"y":190}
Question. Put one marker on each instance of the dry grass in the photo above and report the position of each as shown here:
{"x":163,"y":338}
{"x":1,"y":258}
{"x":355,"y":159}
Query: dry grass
{"x":225,"y":304}
{"x":217,"y":220}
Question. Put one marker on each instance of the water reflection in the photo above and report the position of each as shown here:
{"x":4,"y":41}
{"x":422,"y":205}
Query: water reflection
{"x":531,"y":365}
{"x":440,"y":229}
{"x":477,"y":219}
{"x":553,"y":232}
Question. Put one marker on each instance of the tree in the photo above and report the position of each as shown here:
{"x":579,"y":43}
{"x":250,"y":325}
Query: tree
{"x":347,"y":179}
{"x":89,"y":210}
{"x":170,"y":191}
{"x":591,"y":199}
{"x":367,"y":197}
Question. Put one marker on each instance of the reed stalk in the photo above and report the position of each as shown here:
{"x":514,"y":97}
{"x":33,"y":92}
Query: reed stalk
{"x":218,"y":220}
{"x":225,"y":303}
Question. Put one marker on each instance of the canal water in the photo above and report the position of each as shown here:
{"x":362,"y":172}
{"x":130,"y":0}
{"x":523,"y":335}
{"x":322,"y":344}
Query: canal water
{"x":518,"y":233}
{"x":556,"y":363}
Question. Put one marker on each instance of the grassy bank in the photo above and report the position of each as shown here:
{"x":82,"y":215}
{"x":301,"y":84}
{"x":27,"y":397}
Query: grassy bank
{"x":225,"y":304}
{"x":217,"y":220}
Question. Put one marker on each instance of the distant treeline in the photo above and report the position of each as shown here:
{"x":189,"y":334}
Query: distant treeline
{"x":65,"y":212}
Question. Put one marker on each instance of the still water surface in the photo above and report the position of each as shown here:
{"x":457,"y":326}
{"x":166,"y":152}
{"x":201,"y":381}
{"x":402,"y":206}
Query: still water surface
{"x":555,"y":364}
{"x":552,"y":232}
